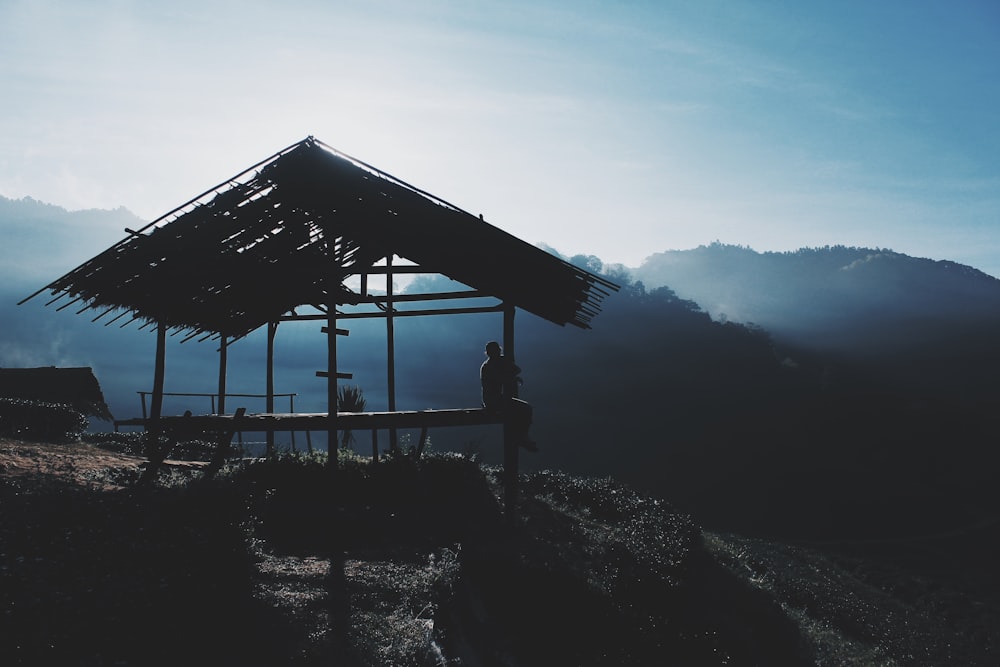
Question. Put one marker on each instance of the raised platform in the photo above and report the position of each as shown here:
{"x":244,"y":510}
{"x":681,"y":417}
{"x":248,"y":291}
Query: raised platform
{"x":319,"y":421}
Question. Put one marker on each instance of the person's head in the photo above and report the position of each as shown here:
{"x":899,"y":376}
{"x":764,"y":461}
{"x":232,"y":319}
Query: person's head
{"x":493,"y":349}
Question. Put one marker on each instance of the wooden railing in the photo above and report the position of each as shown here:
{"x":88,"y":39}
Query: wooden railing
{"x":144,"y":394}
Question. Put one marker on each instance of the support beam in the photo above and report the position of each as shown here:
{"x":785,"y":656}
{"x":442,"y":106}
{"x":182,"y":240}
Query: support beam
{"x":472,"y":310}
{"x":155,"y":450}
{"x":223,"y":354}
{"x":291,"y":408}
{"x":510,"y":445}
{"x":511,"y":454}
{"x":223,"y":447}
{"x":390,"y":348}
{"x":426,"y":296}
{"x":272,"y":329}
{"x":159,"y":367}
{"x":422,"y":441}
{"x":508,"y":334}
{"x":331,"y":370}
{"x":400,"y":268}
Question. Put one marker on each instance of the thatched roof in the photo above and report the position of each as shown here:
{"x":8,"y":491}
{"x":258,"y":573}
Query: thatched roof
{"x":70,"y":386}
{"x":260,"y":244}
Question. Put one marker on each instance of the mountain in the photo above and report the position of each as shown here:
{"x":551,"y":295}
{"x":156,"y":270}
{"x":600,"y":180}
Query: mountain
{"x":815,"y":290}
{"x":920,"y":323}
{"x":43,"y":241}
{"x":860,"y":404}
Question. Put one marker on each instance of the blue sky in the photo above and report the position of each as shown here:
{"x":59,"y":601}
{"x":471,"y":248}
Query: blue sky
{"x":618,"y":129}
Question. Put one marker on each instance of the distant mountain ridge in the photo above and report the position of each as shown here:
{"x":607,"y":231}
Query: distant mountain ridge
{"x":819,"y":294}
{"x":41,"y":237}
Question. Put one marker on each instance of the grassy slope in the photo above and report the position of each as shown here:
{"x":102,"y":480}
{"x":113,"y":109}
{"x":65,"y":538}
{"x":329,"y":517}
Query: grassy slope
{"x":425,"y":571}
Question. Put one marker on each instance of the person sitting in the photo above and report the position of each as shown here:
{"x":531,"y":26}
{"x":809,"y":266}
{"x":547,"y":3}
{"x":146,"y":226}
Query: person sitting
{"x":500,"y":377}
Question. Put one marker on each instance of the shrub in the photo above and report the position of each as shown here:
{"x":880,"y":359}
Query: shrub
{"x":40,"y":421}
{"x":133,"y":443}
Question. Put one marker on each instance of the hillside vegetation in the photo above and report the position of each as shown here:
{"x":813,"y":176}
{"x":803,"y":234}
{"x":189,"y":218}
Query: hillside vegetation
{"x":409,"y":562}
{"x":836,"y":398}
{"x":915,"y":324}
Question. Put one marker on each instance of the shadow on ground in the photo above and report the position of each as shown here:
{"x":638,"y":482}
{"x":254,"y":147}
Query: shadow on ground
{"x":426,"y":571}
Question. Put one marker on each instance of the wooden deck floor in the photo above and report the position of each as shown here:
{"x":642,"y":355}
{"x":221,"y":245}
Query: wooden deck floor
{"x":318,"y":421}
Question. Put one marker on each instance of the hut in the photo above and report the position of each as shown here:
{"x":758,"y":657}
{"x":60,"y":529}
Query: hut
{"x":76,"y":387}
{"x":283,"y":240}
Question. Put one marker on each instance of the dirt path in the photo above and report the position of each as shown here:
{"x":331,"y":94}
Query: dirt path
{"x":77,"y":462}
{"x":393,"y":596}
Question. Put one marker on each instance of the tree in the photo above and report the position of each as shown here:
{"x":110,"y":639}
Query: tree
{"x":350,"y":398}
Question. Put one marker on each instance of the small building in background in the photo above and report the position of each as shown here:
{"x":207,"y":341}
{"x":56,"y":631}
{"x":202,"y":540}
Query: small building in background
{"x":77,"y":387}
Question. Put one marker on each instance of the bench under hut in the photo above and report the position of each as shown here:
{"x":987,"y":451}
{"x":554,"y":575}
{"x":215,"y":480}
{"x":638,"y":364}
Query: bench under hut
{"x":282,"y":241}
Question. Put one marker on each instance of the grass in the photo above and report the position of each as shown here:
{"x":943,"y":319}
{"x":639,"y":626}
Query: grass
{"x":410,"y":562}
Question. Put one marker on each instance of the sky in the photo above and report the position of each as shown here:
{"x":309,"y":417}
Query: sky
{"x":612,"y":128}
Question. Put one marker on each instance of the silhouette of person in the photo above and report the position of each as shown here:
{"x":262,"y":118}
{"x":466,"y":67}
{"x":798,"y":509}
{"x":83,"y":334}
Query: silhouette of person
{"x":499,"y":377}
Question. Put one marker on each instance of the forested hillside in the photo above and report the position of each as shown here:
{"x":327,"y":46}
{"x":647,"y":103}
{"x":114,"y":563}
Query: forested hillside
{"x":917,"y":324}
{"x":44,"y":241}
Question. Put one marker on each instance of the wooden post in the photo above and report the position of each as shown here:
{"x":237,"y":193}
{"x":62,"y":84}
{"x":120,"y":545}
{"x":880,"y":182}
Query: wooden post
{"x":331,"y":378}
{"x":159,"y":367}
{"x":508,"y":333}
{"x":421,"y":441}
{"x":510,"y":445}
{"x":391,"y":349}
{"x":338,"y":600}
{"x":223,"y":445}
{"x":155,"y":450}
{"x":223,"y":354}
{"x":510,"y":465}
{"x":272,"y":328}
{"x":291,"y":410}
